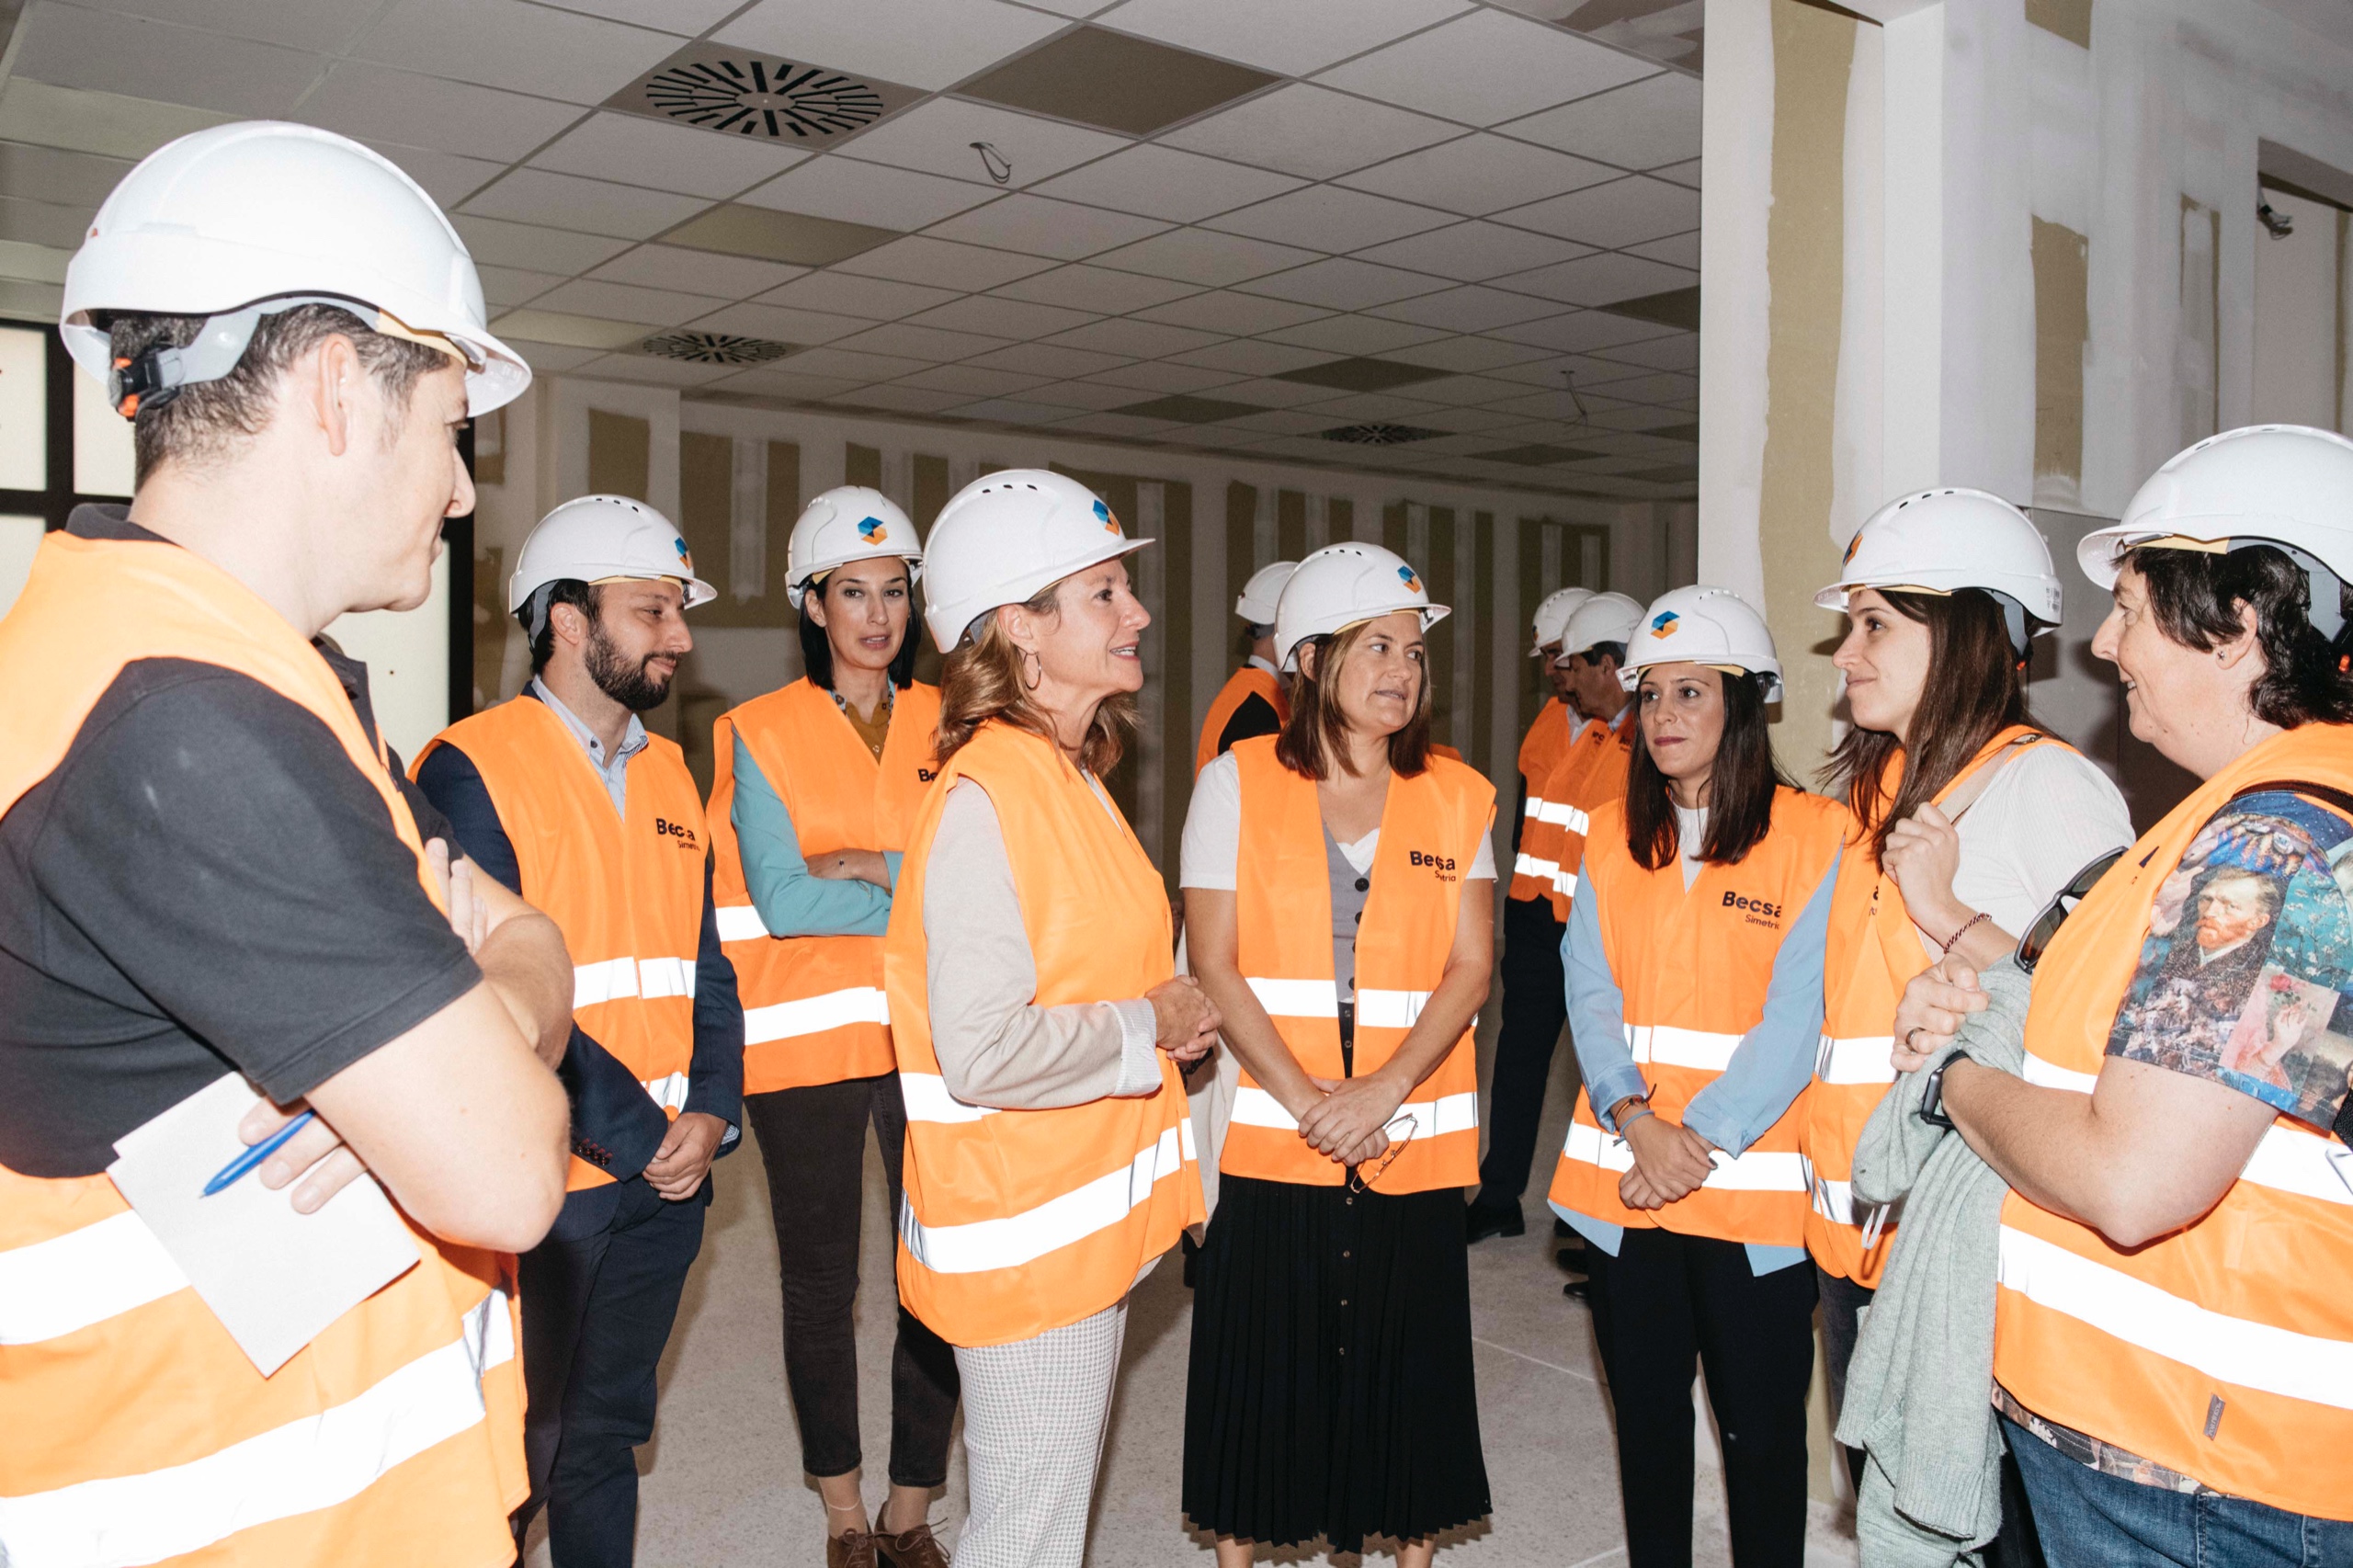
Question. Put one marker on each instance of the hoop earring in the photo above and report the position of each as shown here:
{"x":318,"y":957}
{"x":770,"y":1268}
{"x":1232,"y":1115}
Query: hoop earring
{"x":1032,"y":655}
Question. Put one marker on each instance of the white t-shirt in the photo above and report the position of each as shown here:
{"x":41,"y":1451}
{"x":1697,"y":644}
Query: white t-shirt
{"x":1212,"y":845}
{"x":2046,"y":815}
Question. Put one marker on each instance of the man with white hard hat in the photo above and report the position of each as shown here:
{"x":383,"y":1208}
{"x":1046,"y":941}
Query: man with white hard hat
{"x":1534,"y":1004}
{"x":1253,"y":701}
{"x":562,"y":795}
{"x":217,"y":885}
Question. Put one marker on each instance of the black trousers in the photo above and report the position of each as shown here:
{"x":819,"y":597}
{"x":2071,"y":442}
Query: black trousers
{"x":599,"y":1296}
{"x":1535,"y":1004}
{"x":1665,"y":1306}
{"x":1842,"y":1302}
{"x":813,"y":1142}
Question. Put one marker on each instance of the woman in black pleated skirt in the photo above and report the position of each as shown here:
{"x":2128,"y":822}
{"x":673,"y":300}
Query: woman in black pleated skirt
{"x":1331,"y":1392}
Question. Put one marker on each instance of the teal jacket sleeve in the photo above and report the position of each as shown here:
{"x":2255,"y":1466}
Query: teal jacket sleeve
{"x":793,"y":903}
{"x":1774,"y":1061}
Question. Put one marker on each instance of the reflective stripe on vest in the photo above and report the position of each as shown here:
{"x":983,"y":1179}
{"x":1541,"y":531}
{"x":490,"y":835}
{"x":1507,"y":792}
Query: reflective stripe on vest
{"x":1244,"y":684}
{"x":1872,"y":950}
{"x":813,"y":1009}
{"x":1018,"y":1221}
{"x":1548,"y":739}
{"x":627,"y":891}
{"x":142,"y":1433}
{"x":1431,"y":829}
{"x":1589,"y":773}
{"x":2224,"y":1349}
{"x":1694,"y":966}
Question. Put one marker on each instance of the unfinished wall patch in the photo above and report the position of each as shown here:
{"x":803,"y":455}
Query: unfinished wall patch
{"x":2071,"y":19}
{"x":2062,"y":328}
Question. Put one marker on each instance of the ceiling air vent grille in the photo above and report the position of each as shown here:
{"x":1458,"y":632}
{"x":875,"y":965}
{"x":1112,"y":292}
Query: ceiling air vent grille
{"x":739,"y":93}
{"x":1378,"y":435}
{"x":714,"y":348}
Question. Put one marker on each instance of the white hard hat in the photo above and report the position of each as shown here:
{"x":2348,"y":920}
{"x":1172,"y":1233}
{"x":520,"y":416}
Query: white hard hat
{"x":1341,"y":584}
{"x":1553,"y":612}
{"x":1256,"y":604}
{"x":270,"y":215}
{"x":1700,"y":625}
{"x":847,"y":523}
{"x":1007,"y":535}
{"x":2285,"y":486}
{"x":1948,"y":539}
{"x":1604,"y":617}
{"x":597,"y":539}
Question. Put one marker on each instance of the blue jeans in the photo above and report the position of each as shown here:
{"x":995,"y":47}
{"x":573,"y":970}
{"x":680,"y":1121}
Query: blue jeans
{"x":2090,"y":1520}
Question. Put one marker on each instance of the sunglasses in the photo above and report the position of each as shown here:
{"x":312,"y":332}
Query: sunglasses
{"x":2062,"y":903}
{"x":1362,"y":1177}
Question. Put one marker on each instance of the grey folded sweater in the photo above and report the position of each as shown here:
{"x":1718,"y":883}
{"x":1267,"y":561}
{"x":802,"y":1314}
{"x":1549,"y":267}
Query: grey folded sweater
{"x":1918,"y":1392}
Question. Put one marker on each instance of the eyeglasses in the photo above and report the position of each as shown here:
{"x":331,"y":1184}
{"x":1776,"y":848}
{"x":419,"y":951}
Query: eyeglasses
{"x":1359,"y":1180}
{"x":2062,"y":903}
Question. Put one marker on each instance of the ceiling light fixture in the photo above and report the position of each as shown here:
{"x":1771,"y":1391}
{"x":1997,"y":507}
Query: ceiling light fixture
{"x":737,"y":92}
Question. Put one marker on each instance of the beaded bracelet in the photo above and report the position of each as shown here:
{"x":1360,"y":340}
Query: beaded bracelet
{"x":1965,"y":929}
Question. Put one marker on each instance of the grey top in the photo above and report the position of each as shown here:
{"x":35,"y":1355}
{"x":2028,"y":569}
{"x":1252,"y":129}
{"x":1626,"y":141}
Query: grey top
{"x":1351,"y":888}
{"x":614,"y":769}
{"x":996,"y":1046}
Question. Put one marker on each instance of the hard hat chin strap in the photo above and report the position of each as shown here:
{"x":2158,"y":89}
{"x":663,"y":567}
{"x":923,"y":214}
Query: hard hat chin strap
{"x":155,"y":375}
{"x":2323,"y":586}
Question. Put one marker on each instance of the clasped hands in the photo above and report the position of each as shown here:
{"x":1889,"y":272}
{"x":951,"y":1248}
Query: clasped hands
{"x":1670,"y":1160}
{"x":1349,"y":1124}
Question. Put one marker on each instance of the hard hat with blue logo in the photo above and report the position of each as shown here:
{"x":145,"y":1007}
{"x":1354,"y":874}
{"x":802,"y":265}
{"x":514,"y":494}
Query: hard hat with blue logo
{"x":599,"y":539}
{"x":1007,"y":537}
{"x":1700,"y":625}
{"x":1341,"y":584}
{"x":1952,"y":537}
{"x":849,"y":522}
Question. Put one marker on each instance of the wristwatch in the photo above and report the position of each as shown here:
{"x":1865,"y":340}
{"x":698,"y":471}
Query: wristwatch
{"x":1932,"y":1097}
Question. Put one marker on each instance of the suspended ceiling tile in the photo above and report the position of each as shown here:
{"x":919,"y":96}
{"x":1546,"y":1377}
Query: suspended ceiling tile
{"x":845,"y":293}
{"x":1115,"y":82}
{"x":70,"y":48}
{"x":780,"y":322}
{"x":1003,"y":318}
{"x":1660,"y":387}
{"x":936,"y":137}
{"x":506,"y":43}
{"x":50,"y":173}
{"x":1581,"y":333}
{"x":552,"y":359}
{"x":1296,"y":37}
{"x":1096,"y":288}
{"x":1623,"y":213}
{"x":918,"y":258}
{"x":446,"y":176}
{"x":1326,"y":218}
{"x":1466,"y":353}
{"x":1252,"y":357}
{"x":1163,"y":182}
{"x":687,"y":17}
{"x":1478,"y":174}
{"x":768,"y":382}
{"x":1681,"y":174}
{"x":504,"y":288}
{"x":1463,"y":419}
{"x":1486,"y":67}
{"x":844,"y":365}
{"x":1013,"y":411}
{"x":626,"y":301}
{"x":1109,"y":424}
{"x":972,"y":381}
{"x":638,"y":150}
{"x":1077,"y":8}
{"x":700,"y":272}
{"x":1599,"y":279}
{"x":1309,"y":131}
{"x":1134,"y":339}
{"x":79,"y":120}
{"x":1643,"y":125}
{"x":849,"y":192}
{"x":1037,"y":226}
{"x":1356,"y":335}
{"x":1267,"y":392}
{"x":1680,"y":352}
{"x":1187,"y":409}
{"x":1676,"y":250}
{"x":1045,"y":359}
{"x":321,"y":25}
{"x":1225,"y":311}
{"x":905,"y":399}
{"x":26,"y":263}
{"x":524,"y":245}
{"x":930,"y":342}
{"x":1361,"y":373}
{"x":1158,"y":375}
{"x":377,"y":104}
{"x":1203,"y":257}
{"x":1374,"y":406}
{"x":1468,"y":308}
{"x":1344,"y":284}
{"x":926,"y":43}
{"x":591,"y":206}
{"x":1284,"y":422}
{"x":557,"y":327}
{"x":655,"y":370}
{"x":1545,"y":372}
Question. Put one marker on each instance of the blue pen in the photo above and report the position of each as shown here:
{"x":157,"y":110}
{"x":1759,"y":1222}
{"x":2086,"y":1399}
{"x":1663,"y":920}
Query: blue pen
{"x":236,"y":1170}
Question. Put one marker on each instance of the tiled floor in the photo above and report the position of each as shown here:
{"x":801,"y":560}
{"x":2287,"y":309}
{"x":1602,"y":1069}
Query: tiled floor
{"x":722,"y":1482}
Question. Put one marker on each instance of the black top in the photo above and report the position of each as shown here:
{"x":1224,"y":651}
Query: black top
{"x":204,"y":882}
{"x":1254,"y":716}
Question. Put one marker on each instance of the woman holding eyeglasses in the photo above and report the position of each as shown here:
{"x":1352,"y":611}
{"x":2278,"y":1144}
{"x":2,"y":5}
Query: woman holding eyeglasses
{"x":1694,"y":963}
{"x":1968,"y":818}
{"x":1339,"y":907}
{"x":2173,"y":1338}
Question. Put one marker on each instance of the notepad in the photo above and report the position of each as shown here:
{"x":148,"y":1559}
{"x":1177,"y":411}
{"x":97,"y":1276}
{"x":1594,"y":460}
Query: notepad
{"x":274,"y":1278}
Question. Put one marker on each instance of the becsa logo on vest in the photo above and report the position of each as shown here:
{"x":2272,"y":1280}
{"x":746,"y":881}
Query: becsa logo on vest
{"x":677,"y":830}
{"x":1755,"y":911}
{"x":1441,"y":866}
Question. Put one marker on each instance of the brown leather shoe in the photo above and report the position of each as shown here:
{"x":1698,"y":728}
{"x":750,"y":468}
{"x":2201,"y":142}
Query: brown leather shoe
{"x":854,"y":1550}
{"x":916,"y":1549}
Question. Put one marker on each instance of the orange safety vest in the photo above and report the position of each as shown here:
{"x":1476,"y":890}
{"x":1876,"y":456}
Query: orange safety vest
{"x":1245,"y":683}
{"x":1017,"y":1222}
{"x":1874,"y":951}
{"x":1430,"y":828}
{"x":2224,"y":1350}
{"x":626,"y":895}
{"x":139,"y":1432}
{"x":1556,"y":728}
{"x":1590,"y":774}
{"x":813,"y":1009}
{"x":1694,"y":966}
